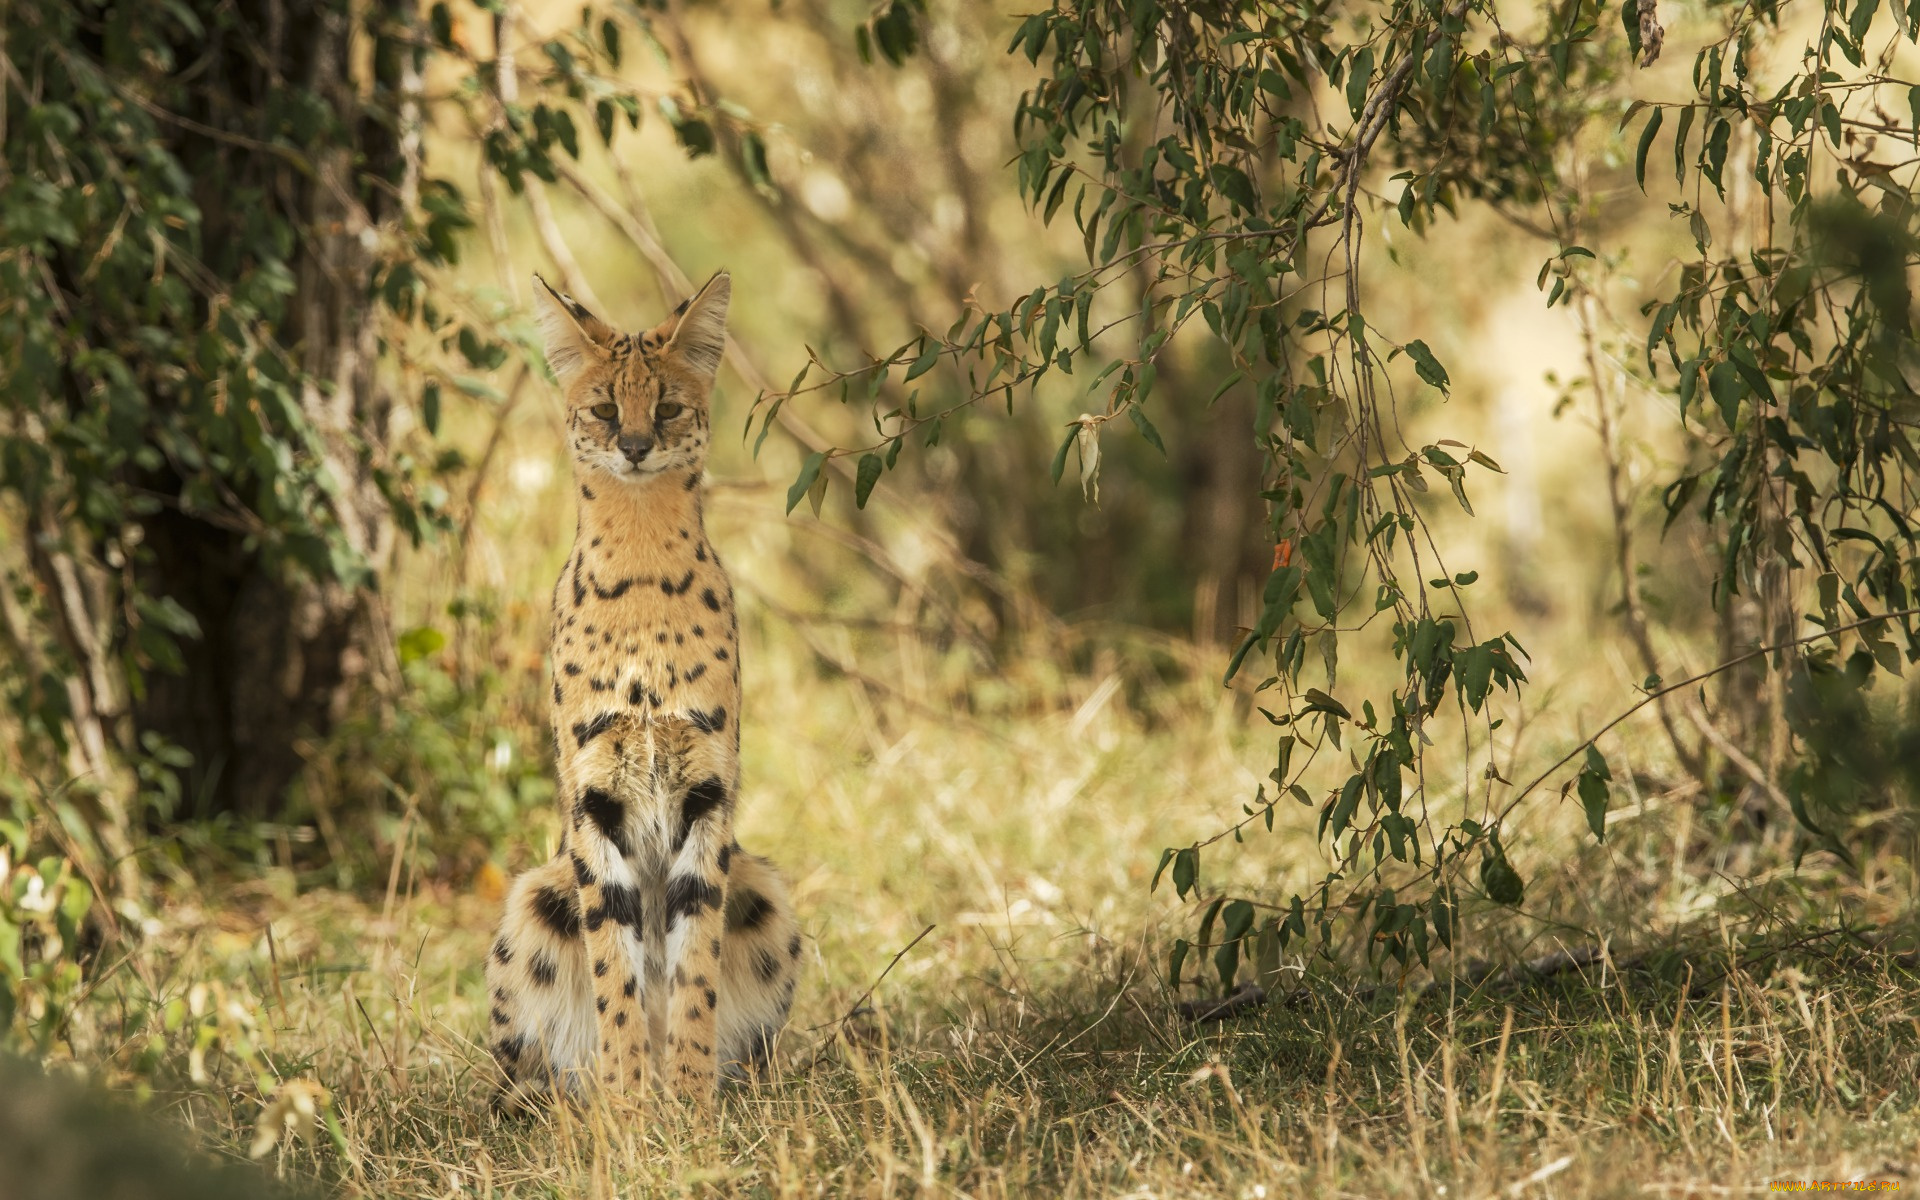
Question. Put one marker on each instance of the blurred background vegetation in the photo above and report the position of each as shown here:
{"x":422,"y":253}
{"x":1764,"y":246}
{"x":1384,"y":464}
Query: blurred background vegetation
{"x":282,"y":491}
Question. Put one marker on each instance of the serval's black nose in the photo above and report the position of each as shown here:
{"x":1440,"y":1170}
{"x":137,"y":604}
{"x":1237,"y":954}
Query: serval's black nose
{"x":635,"y":447}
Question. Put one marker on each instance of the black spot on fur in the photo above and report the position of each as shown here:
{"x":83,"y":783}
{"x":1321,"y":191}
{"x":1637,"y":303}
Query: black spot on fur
{"x":608,"y":815}
{"x":712,"y":601}
{"x":616,"y":591}
{"x":760,"y":1048}
{"x":571,"y":668}
{"x":725,"y":861}
{"x":700,"y":552}
{"x":600,"y":1004}
{"x":710,"y":720}
{"x":681,"y":307}
{"x":496,"y":1016}
{"x":596,"y":917}
{"x":557,"y":701}
{"x":543,"y":969}
{"x":586,"y":492}
{"x":689,"y":897}
{"x":502,"y":953}
{"x":793,"y":947}
{"x":557,"y":911}
{"x":677,"y":589}
{"x":622,"y":904}
{"x":620,"y":1018}
{"x":747,"y":909}
{"x":711,"y":998}
{"x":765,"y":965}
{"x":693,"y":673}
{"x":633,"y":984}
{"x":599,"y":967}
{"x":702,"y":799}
{"x":507,"y":1050}
{"x":581,"y":874}
{"x":586,"y":731}
{"x":721,"y":654}
{"x":579,"y":588}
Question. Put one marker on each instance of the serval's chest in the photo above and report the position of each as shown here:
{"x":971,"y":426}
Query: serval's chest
{"x":643,"y":616}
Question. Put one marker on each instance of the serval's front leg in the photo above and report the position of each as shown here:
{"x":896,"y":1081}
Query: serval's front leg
{"x":696,"y":922}
{"x":610,"y":920}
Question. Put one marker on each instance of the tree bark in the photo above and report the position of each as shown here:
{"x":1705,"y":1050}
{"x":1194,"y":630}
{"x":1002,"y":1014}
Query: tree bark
{"x":280,"y":649}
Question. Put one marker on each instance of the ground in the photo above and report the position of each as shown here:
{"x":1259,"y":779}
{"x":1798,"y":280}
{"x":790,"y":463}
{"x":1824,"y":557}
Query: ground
{"x":1028,"y":1044}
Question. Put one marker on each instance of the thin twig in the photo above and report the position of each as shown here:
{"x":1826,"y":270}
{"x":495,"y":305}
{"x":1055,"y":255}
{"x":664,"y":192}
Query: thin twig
{"x":1691,"y":680}
{"x":868,"y":994}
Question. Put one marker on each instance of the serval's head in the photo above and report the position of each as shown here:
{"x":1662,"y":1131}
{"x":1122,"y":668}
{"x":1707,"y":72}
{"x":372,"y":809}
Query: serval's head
{"x":637,"y":403}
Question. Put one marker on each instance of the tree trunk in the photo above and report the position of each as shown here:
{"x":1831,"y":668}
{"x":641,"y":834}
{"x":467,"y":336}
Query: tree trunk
{"x":280,"y":648}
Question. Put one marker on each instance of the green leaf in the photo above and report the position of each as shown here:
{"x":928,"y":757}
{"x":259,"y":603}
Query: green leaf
{"x":1186,"y":871}
{"x":1166,"y":856}
{"x":1680,"y":144}
{"x":1233,"y":183}
{"x":1359,"y":74}
{"x":869,"y":474}
{"x":809,"y":471}
{"x":1146,"y":429}
{"x":753,"y":158}
{"x":1593,"y":797}
{"x":928,"y":357}
{"x":1723,"y":383}
{"x":1055,"y":196}
{"x":1503,"y":883}
{"x":1427,"y":366}
{"x":1226,"y":960}
{"x":1176,"y":960}
{"x":1597,"y":763}
{"x":1060,"y":456}
{"x":1341,"y":814}
{"x":423,"y":642}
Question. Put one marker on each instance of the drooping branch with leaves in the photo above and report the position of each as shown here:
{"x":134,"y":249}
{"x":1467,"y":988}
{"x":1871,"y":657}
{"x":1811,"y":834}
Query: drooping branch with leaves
{"x":1225,"y":162}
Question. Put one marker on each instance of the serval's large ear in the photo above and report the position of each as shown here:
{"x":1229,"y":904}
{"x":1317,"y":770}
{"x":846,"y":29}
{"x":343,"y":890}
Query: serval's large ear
{"x":698,"y":329}
{"x":575,"y":337}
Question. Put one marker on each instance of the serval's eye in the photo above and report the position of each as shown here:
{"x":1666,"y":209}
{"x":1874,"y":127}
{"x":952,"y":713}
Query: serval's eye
{"x":666,"y":412}
{"x":606,"y":412}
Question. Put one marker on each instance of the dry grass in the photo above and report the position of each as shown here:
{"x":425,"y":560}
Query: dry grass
{"x":1028,"y":1046}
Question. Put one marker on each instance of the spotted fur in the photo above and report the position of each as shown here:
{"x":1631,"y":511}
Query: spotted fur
{"x":651,"y":948}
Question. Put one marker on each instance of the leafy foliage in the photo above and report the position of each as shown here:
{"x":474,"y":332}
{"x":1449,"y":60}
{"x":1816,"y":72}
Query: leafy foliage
{"x":1209,"y":179}
{"x":225,"y":269}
